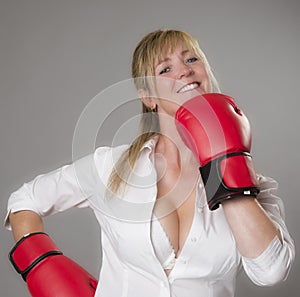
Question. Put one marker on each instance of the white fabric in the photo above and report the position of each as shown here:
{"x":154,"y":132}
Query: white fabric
{"x":209,"y":260}
{"x":162,"y":245}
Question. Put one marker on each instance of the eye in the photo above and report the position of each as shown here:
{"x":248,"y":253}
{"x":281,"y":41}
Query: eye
{"x":192,"y":60}
{"x":165,"y":70}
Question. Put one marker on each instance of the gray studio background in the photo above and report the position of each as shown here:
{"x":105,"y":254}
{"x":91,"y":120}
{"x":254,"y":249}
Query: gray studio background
{"x":55,"y":56}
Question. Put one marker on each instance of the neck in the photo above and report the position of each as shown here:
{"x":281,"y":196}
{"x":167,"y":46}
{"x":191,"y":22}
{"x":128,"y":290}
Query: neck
{"x":173,"y":150}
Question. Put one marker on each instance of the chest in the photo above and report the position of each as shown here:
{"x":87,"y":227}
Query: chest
{"x":204,"y":239}
{"x":175,"y":204}
{"x":209,"y":249}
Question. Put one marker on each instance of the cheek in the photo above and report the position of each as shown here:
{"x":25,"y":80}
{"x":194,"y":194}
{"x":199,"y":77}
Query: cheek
{"x":205,"y":79}
{"x":164,"y":87}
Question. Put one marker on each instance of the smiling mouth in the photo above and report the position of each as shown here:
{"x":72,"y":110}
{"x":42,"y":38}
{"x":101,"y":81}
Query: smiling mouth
{"x":189,"y":87}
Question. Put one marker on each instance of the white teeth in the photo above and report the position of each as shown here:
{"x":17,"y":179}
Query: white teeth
{"x":188,"y":87}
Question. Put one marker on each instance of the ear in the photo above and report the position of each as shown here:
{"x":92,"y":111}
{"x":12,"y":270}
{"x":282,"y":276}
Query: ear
{"x":146,"y":98}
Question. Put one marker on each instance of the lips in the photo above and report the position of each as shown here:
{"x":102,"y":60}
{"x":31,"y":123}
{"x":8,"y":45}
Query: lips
{"x":189,"y":87}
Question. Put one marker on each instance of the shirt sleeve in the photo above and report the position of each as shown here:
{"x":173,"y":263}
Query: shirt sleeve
{"x":55,"y":191}
{"x":273,"y":265}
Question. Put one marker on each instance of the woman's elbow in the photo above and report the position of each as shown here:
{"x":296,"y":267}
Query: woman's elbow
{"x":272,"y":278}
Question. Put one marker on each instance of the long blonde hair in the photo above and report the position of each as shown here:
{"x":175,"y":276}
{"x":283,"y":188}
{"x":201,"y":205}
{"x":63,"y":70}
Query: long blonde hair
{"x":152,"y":47}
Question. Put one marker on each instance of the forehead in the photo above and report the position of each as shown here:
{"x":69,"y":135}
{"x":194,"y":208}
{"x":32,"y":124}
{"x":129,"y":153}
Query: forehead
{"x":180,"y":47}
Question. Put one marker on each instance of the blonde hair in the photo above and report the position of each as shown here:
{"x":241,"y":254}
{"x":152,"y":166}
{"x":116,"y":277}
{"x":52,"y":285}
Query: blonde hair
{"x":146,"y":54}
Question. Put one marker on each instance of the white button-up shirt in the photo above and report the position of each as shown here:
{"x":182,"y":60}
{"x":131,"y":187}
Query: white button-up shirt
{"x":209,"y":260}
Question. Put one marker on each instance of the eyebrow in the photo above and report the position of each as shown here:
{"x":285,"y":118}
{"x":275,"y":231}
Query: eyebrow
{"x":168,"y":59}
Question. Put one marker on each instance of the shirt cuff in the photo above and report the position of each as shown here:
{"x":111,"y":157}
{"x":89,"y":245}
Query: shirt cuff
{"x":267,"y":258}
{"x":270,"y":267}
{"x":15,"y":205}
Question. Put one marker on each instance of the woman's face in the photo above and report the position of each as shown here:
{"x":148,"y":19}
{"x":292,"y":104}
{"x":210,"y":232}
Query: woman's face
{"x":179,"y":76}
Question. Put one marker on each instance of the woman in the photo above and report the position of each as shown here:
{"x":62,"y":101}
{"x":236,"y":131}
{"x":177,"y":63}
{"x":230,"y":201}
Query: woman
{"x":166,"y":229}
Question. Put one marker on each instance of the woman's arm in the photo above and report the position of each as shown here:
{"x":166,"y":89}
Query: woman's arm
{"x":24,"y":222}
{"x":29,"y":254}
{"x":45,"y":195}
{"x":251,"y":226}
{"x":262,"y":237}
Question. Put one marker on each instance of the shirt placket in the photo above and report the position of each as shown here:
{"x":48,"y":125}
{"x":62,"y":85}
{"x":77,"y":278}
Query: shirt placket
{"x":189,"y":248}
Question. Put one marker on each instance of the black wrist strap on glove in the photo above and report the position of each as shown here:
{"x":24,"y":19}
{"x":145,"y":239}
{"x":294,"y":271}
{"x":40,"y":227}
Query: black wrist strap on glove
{"x":215,"y":187}
{"x":30,"y":250}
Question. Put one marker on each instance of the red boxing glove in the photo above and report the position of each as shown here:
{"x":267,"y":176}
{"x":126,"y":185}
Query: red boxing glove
{"x":47,"y":271}
{"x":219,"y":135}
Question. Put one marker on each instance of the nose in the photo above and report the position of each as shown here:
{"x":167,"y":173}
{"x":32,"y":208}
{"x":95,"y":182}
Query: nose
{"x":184,"y":70}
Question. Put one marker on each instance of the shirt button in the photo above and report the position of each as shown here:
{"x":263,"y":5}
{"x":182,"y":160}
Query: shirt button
{"x":183,"y":261}
{"x":193,"y":239}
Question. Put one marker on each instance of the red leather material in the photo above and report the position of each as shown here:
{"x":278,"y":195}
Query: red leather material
{"x":54,"y":275}
{"x":211,"y":125}
{"x":238,"y":172}
{"x":219,"y":135}
{"x":38,"y":245}
{"x":60,"y":277}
